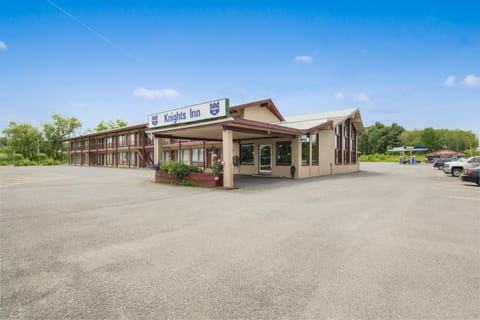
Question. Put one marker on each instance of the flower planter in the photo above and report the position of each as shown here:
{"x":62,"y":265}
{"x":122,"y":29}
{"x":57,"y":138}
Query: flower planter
{"x":202,"y":179}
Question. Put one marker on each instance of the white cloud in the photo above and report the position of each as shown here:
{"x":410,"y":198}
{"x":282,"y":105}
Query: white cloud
{"x":471,"y":80}
{"x":361,"y":97}
{"x":450,"y":81}
{"x":339,"y":95}
{"x":156,"y":93}
{"x":3,"y":46}
{"x":305,"y":59}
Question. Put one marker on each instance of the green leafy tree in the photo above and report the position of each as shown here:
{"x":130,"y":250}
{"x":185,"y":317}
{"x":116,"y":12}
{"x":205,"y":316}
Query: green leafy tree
{"x":54,"y":132}
{"x":379,"y":138}
{"x":111,"y":124}
{"x":23,"y":139}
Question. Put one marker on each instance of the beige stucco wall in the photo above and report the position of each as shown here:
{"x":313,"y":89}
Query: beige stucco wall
{"x":326,"y":165}
{"x":279,"y":171}
{"x":258,"y":113}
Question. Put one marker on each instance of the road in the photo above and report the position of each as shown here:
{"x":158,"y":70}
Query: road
{"x":389,"y":242}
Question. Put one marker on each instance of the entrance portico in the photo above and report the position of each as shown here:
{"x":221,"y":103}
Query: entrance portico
{"x":227,"y":131}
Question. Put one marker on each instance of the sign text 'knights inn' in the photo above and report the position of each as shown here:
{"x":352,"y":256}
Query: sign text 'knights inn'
{"x":199,"y":112}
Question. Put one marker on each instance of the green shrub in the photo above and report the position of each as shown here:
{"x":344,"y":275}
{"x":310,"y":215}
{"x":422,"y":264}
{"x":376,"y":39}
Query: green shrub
{"x":4,"y":157}
{"x":58,"y":163}
{"x":22,"y":163}
{"x":17,"y":157}
{"x":33,"y":163}
{"x":177,"y":169}
{"x":42,"y":157}
{"x":48,"y":162}
{"x":165,"y":166}
{"x":3,"y":163}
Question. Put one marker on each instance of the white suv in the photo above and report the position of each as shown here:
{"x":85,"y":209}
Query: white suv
{"x":456,"y":167}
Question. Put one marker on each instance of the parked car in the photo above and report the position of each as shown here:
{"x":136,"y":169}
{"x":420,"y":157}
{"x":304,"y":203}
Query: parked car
{"x":439,"y":162}
{"x":472,"y":175}
{"x":456,"y":167}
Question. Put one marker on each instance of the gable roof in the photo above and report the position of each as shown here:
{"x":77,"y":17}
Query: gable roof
{"x":321,"y":120}
{"x":268,"y":103}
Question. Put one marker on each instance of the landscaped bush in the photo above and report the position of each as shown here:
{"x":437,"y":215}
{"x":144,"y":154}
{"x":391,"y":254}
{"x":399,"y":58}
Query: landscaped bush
{"x":17,"y":157}
{"x":48,"y":162}
{"x":177,"y":169}
{"x":22,"y":163}
{"x":3,"y":163}
{"x":42,"y":157}
{"x":4,"y":157}
{"x":382,"y":157}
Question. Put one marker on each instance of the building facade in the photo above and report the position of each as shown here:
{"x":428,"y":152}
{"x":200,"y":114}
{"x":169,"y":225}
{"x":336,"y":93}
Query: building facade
{"x":251,"y":139}
{"x":125,"y":147}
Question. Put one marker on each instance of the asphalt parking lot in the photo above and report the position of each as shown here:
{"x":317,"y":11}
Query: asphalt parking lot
{"x":389,"y":242}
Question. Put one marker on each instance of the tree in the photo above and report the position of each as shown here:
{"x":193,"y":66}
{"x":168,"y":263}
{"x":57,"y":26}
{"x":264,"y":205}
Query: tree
{"x":54,"y":132}
{"x":380,"y":137}
{"x":111,"y":124}
{"x":23,"y":138}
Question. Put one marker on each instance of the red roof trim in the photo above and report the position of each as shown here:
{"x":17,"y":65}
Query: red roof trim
{"x":107,"y":132}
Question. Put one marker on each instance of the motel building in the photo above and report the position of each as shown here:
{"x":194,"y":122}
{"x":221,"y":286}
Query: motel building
{"x":251,"y":139}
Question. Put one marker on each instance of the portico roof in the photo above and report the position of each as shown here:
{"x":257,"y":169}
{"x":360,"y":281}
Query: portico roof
{"x":243,"y":129}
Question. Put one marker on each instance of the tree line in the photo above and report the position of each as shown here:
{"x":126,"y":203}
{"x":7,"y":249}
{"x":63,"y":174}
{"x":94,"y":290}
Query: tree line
{"x":379,"y":137}
{"x":24,"y":144}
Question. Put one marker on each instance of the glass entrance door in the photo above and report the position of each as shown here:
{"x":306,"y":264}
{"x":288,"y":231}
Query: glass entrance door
{"x":265,"y":158}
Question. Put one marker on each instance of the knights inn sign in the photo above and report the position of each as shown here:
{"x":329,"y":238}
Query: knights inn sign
{"x":199,"y":112}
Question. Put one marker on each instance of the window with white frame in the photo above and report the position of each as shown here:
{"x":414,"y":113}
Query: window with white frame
{"x":132,"y":158}
{"x":132,"y":139}
{"x":109,"y":142}
{"x":166,"y":155}
{"x":122,"y":141}
{"x":122,"y":158}
{"x":186,"y":156}
{"x":197,"y":157}
{"x":110,"y":158}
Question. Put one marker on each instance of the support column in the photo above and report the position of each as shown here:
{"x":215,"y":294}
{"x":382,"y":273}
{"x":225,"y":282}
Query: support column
{"x":157,"y":151}
{"x":228,"y":158}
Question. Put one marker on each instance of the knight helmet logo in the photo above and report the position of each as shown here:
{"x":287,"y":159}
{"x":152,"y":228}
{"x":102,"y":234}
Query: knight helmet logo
{"x":214,"y":108}
{"x":155,"y":120}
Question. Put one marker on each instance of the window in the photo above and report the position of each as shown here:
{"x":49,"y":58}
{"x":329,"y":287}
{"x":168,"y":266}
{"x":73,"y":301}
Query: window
{"x":197,"y":157}
{"x":305,"y":152}
{"x":109,"y":142}
{"x":132,"y":139}
{"x":122,"y":158}
{"x":109,"y":158}
{"x":166,"y":155}
{"x":132,"y":158}
{"x":338,"y":144}
{"x":354,"y":145}
{"x":122,"y":142}
{"x":247,"y":153}
{"x":186,"y":156}
{"x":314,"y":141}
{"x":346,"y":144}
{"x":284,"y":153}
{"x":150,"y":139}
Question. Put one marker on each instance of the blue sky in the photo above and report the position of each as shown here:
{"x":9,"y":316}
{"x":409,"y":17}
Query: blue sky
{"x":416,"y":63}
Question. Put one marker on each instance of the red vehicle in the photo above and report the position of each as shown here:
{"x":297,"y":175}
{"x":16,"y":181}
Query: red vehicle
{"x":472,"y":175}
